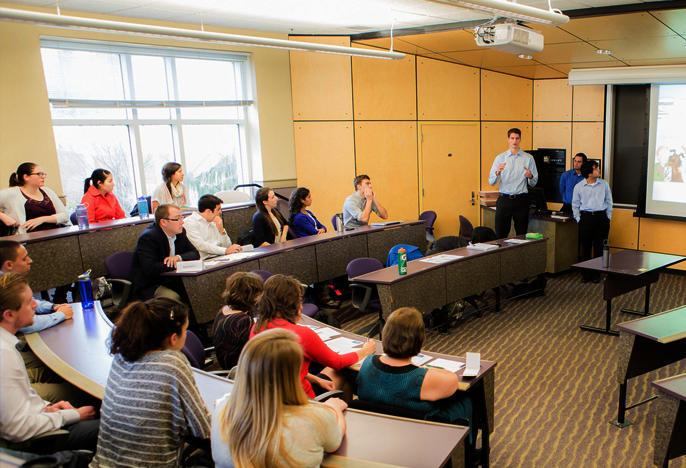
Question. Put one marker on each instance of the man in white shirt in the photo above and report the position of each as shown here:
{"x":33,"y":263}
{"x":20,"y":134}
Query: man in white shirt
{"x":24,"y":414}
{"x":205,"y":229}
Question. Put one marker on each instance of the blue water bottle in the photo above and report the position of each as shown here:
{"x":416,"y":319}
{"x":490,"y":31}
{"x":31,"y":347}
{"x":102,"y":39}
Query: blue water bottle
{"x":142,"y":207}
{"x":82,"y":216}
{"x":86,"y":290}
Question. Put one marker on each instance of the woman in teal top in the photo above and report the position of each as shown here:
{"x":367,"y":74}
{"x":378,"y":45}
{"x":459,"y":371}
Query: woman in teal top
{"x":392,"y":379}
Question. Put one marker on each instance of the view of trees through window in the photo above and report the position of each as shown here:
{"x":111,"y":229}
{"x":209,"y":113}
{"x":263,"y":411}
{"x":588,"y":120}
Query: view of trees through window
{"x":126,"y":111}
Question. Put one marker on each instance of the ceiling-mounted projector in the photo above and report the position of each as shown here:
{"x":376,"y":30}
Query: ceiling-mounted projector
{"x":510,"y":38}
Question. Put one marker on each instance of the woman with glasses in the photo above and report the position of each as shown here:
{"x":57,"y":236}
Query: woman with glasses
{"x":171,"y":191}
{"x":28,"y":204}
{"x":280,"y":306}
{"x":98,"y":196}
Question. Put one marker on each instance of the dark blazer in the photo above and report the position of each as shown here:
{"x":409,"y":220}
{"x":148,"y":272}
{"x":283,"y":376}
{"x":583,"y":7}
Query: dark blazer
{"x":148,"y":259}
{"x":261,"y":230}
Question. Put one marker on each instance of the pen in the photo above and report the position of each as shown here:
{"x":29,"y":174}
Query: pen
{"x":434,"y":367}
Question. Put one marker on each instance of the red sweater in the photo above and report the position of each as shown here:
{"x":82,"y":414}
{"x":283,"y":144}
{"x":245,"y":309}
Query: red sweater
{"x":314,"y":349}
{"x":101,"y":208}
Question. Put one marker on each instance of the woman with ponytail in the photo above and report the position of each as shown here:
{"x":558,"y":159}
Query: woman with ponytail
{"x":101,"y":203}
{"x":28,"y":204}
{"x":151,"y":399}
{"x":171,"y":191}
{"x":301,"y":219}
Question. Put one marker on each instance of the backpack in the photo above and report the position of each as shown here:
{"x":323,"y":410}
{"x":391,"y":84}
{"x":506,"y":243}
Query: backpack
{"x":246,"y":237}
{"x":483,"y":234}
{"x":327,"y":319}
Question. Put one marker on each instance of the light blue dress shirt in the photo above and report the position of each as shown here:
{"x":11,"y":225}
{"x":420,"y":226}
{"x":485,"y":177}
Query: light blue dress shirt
{"x":41,"y":322}
{"x":512,"y":179}
{"x":592,"y":197}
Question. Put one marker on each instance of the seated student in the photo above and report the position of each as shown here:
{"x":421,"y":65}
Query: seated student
{"x":232,"y":325}
{"x":151,"y":399}
{"x":98,"y":196}
{"x":159,"y":248}
{"x":392,"y":379}
{"x":268,"y":224}
{"x":302,"y":219}
{"x":267,"y":421}
{"x":205,"y":229}
{"x":280,"y":306}
{"x":171,"y":191}
{"x":24,"y":414}
{"x":358,"y":207}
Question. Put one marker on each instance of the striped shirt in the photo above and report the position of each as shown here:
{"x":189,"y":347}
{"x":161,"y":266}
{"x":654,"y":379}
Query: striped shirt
{"x":148,"y":408}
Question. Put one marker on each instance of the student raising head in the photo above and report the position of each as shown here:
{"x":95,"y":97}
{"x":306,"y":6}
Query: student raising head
{"x":301,"y":219}
{"x":268,"y":420}
{"x":98,"y":196}
{"x":268,"y":224}
{"x":151,"y":399}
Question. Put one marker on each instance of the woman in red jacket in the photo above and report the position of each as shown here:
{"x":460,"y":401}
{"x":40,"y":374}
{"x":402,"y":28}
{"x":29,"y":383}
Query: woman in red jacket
{"x":100,"y":202}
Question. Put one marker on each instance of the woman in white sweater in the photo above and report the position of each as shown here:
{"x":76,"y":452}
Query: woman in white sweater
{"x":28,"y":204}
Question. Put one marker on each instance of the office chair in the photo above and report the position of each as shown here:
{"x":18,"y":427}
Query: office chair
{"x":118,"y":266}
{"x":334,"y":221}
{"x":195,"y":352}
{"x":466,"y":229}
{"x":365,"y":296}
{"x":308,"y":309}
{"x":72,"y":218}
{"x":429,"y":218}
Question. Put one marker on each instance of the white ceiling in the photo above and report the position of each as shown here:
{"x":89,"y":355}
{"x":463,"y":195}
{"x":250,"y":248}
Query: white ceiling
{"x":297,"y":16}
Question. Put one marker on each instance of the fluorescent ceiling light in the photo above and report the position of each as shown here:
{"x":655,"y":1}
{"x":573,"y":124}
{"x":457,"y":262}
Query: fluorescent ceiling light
{"x":512,"y":10}
{"x":628,"y":75}
{"x":73,"y":22}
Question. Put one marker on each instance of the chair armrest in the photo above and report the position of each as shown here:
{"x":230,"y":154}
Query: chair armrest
{"x":325,"y":396}
{"x":120,"y":297}
{"x":368,"y":290}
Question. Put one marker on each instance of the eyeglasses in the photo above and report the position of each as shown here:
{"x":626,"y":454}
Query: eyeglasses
{"x":180,"y":218}
{"x":40,"y":174}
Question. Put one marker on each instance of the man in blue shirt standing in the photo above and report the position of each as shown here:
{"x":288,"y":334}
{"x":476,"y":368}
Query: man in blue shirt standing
{"x":514,"y":169}
{"x":569,"y":180}
{"x":592,"y":208}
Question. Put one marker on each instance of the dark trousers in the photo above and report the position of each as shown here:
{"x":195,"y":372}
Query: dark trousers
{"x":509,"y":207}
{"x":566,"y":208}
{"x":594,"y":228}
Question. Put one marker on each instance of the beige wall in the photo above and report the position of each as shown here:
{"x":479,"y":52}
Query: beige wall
{"x":25,"y":124}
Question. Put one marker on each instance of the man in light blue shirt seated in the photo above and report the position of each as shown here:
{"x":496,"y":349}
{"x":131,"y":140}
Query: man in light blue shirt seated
{"x":358,"y":207}
{"x":592,"y":208}
{"x":569,"y":180}
{"x":516,"y":171}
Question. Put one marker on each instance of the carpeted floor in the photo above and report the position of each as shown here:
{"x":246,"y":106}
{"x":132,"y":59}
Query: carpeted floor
{"x":555,"y":385}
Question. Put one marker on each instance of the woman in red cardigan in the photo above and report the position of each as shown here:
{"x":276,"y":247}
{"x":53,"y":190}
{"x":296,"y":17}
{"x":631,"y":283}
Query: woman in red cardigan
{"x":100,"y":202}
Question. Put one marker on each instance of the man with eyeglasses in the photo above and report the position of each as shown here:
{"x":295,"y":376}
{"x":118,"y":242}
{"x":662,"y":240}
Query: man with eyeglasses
{"x":159,"y":248}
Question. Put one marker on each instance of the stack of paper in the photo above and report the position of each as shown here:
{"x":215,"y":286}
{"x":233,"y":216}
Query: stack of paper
{"x":343,"y":345}
{"x":482,"y":247}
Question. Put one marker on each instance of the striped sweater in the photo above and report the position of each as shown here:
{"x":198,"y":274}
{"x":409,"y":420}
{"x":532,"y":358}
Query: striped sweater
{"x":148,"y":408}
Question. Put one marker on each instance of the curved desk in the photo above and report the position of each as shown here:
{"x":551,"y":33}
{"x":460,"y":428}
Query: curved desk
{"x":372,"y":440}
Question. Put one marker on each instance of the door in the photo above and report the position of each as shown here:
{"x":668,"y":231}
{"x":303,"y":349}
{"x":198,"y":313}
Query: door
{"x":450,"y":174}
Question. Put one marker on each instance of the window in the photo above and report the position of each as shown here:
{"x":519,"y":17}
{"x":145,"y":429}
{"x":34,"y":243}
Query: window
{"x":130,"y":109}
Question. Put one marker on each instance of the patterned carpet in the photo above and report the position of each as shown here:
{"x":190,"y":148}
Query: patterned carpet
{"x":555,"y":385}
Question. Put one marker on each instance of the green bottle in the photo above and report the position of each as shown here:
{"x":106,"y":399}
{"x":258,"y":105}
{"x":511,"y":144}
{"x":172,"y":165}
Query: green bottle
{"x":402,"y":261}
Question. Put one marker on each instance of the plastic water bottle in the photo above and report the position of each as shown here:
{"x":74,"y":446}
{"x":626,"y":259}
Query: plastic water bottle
{"x":606,"y":254}
{"x":86,"y":290}
{"x":142,"y":207}
{"x":82,"y":216}
{"x":402,"y":261}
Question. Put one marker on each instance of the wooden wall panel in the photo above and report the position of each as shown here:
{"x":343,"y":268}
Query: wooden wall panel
{"x":552,"y":101}
{"x":446,"y":91}
{"x":657,"y":235}
{"x":587,"y":137}
{"x":387,"y":153}
{"x":494,"y":142}
{"x":553,"y":135}
{"x":505,"y":97}
{"x":321,"y":84}
{"x":325,"y":164}
{"x":624,"y":229}
{"x":588,"y":103}
{"x":384,"y":89}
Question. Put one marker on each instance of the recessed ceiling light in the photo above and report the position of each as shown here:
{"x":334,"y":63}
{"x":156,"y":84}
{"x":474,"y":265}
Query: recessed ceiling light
{"x":526,"y":57}
{"x":603,"y":52}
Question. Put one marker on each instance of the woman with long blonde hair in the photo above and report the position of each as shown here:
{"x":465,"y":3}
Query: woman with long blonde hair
{"x":268,"y":421}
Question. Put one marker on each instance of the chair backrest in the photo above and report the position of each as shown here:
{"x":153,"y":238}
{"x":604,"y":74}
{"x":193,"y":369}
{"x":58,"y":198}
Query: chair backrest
{"x":194,"y":350}
{"x":382,"y":408}
{"x":362,"y":266}
{"x":233,"y":196}
{"x":466,"y":228}
{"x":72,"y":218}
{"x":413,"y":253}
{"x":118,"y":265}
{"x":263,"y":273}
{"x":429,"y":217}
{"x":334,"y":221}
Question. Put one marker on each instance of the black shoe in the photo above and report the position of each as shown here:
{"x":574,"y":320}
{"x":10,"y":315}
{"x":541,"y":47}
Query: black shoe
{"x":585,"y":280}
{"x":596,"y":280}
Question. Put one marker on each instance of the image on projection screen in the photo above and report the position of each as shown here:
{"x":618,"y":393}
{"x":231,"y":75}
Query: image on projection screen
{"x":669,"y":165}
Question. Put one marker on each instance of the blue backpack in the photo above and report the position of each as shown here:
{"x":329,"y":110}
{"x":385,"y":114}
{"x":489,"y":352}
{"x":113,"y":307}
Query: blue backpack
{"x":413,"y":253}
